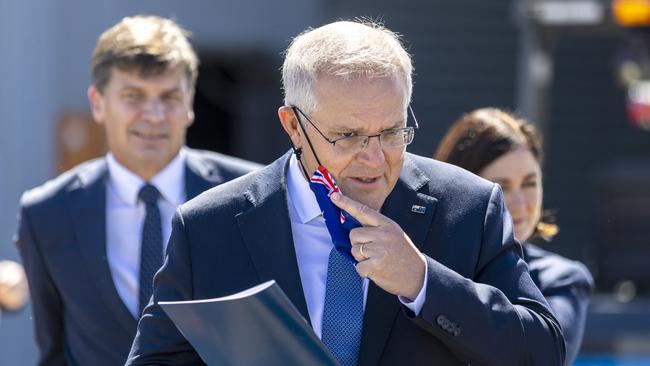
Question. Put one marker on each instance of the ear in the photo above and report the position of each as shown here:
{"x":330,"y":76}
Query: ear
{"x":190,"y":117}
{"x":289,"y":122}
{"x":190,"y":108}
{"x":97,"y":102}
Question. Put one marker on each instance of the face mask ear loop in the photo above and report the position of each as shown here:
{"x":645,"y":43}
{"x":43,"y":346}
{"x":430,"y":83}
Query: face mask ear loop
{"x":295,"y":112}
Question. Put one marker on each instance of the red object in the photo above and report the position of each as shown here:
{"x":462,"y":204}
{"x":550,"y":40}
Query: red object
{"x":638,"y":105}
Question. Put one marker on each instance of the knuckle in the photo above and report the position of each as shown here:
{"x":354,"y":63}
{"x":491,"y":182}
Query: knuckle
{"x":354,"y":236}
{"x":364,"y":209}
{"x":366,"y":273}
{"x":360,"y":270}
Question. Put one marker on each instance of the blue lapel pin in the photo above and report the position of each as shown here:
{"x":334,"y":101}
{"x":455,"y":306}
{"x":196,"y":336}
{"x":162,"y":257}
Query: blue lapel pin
{"x":418,"y":209}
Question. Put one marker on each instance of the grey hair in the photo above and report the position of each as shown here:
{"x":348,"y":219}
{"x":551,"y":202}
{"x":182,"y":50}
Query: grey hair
{"x":347,"y":50}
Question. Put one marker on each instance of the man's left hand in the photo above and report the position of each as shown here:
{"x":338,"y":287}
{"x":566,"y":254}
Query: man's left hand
{"x":386,"y":255}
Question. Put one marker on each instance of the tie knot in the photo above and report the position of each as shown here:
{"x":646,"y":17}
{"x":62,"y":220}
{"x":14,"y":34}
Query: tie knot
{"x":149,"y":194}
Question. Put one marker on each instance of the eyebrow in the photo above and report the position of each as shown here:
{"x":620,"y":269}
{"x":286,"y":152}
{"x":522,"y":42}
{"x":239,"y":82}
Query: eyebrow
{"x":500,"y":180}
{"x":503,"y":179}
{"x":130,"y":87}
{"x":176,"y":89}
{"x":347,"y":129}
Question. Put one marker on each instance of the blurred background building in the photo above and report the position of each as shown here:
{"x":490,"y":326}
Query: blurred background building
{"x":564,"y":64}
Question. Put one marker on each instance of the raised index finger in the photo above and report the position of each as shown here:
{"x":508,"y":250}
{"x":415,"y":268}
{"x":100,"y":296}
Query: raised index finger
{"x":364,"y":214}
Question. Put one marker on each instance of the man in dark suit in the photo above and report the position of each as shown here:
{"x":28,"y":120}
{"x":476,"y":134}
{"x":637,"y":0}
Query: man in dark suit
{"x":92,"y":238}
{"x":440,"y":279}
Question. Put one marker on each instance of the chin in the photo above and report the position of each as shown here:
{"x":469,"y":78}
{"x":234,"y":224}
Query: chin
{"x":371,"y":201}
{"x":522,"y":237}
{"x":371,"y":198}
{"x":154,"y":155}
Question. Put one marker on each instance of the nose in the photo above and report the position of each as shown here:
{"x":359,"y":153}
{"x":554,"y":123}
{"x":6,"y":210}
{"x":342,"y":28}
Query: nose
{"x":515,"y":201}
{"x":372,"y":154}
{"x":154,"y":111}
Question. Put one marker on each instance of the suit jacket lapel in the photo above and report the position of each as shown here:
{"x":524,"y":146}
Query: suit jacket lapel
{"x":400,"y":206}
{"x":266,"y":230}
{"x":88,"y":204}
{"x":88,"y":210}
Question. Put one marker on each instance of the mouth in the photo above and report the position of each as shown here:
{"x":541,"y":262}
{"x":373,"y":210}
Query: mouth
{"x":366,"y":181}
{"x":152,"y":137}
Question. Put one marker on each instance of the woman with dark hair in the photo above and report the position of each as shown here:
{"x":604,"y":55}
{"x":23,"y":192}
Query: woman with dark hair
{"x":503,"y":149}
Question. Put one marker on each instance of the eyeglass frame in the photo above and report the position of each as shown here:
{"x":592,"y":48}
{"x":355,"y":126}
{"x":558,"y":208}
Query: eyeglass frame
{"x":368,"y":137}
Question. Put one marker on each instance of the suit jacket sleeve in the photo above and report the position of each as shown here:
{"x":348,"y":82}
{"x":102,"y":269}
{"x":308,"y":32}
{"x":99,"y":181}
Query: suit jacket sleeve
{"x":156,"y":331}
{"x":46,"y":300}
{"x":499,"y":317}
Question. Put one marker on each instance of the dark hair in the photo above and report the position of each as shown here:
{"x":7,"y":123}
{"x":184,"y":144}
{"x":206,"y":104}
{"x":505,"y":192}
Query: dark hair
{"x":482,"y":136}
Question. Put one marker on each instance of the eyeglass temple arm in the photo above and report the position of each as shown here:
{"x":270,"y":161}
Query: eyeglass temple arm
{"x":414,"y":119}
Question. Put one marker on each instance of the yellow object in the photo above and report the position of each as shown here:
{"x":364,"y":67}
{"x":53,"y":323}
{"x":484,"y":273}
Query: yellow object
{"x":631,"y":13}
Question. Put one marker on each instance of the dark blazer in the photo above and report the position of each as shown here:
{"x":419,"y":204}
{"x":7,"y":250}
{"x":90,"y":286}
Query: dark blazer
{"x":79,"y":317}
{"x":566,"y":285}
{"x":481,"y":305}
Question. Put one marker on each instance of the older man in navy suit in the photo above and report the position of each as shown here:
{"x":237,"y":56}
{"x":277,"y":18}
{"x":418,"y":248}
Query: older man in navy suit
{"x":439,"y":279}
{"x":92,"y":238}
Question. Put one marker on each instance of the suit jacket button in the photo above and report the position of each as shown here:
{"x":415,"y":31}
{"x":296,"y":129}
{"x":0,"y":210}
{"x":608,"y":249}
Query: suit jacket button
{"x":441,"y":320}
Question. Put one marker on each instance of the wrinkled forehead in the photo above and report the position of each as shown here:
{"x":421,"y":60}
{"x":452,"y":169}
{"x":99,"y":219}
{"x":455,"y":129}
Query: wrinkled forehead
{"x":362,"y":92}
{"x":361,"y":104}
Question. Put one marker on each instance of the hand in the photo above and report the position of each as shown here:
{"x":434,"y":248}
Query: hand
{"x":13,"y":285}
{"x":386,"y":255}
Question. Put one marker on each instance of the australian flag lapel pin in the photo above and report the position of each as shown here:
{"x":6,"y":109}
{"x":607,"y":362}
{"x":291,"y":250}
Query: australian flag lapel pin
{"x":418,"y":209}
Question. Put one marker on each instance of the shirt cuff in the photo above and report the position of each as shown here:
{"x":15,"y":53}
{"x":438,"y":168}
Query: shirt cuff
{"x":416,"y":305}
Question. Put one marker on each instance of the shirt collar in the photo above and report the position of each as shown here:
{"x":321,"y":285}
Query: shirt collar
{"x":300,"y":195}
{"x":170,"y":181}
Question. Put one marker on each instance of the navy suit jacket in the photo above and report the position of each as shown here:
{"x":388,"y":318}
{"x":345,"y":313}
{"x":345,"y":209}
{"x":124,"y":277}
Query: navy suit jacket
{"x":481,"y":305}
{"x":566,"y":285}
{"x":79,"y":317}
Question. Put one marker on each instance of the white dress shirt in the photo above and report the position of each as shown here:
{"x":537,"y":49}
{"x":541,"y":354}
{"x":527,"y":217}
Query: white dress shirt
{"x":313,"y":244}
{"x":125,"y":216}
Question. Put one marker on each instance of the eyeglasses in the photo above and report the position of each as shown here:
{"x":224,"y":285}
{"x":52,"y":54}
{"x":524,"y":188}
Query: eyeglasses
{"x":393,"y":138}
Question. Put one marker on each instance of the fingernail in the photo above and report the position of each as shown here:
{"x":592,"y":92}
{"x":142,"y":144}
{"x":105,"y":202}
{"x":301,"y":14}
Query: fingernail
{"x":335,"y":196}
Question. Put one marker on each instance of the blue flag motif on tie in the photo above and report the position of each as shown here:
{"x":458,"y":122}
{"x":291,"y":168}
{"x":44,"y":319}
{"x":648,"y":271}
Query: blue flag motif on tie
{"x":338,"y":222}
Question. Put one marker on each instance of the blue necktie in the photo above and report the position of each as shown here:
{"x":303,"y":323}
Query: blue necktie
{"x":343,"y":311}
{"x":151,"y":253}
